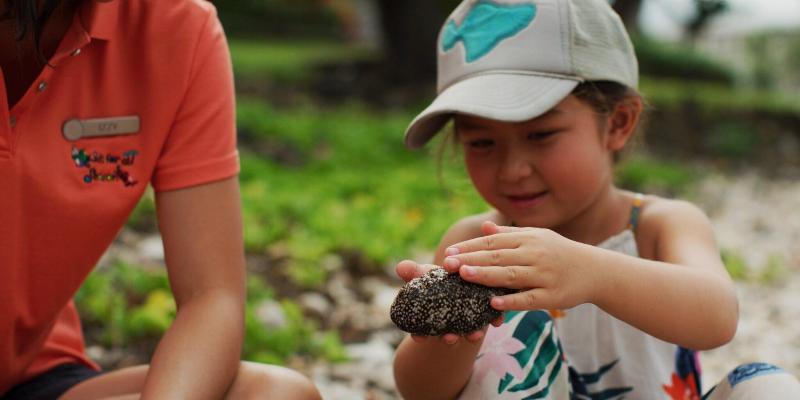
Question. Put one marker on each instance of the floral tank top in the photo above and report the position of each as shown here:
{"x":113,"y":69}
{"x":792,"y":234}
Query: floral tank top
{"x":581,"y":353}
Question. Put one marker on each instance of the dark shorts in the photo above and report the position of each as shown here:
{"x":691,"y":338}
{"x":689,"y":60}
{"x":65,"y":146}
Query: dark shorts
{"x":51,"y":384}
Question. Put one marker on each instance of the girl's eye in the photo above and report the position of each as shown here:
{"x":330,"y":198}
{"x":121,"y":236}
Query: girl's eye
{"x":538,"y":136}
{"x":480,"y":143}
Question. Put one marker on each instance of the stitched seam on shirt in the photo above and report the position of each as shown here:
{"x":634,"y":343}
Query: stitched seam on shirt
{"x":192,"y":71}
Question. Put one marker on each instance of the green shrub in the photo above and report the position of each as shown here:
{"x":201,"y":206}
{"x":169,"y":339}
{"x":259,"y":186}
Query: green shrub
{"x":642,"y":174}
{"x":128,"y":302}
{"x":716,"y":99}
{"x":732,"y":140}
{"x":153,"y":318}
{"x":299,"y":337}
{"x":356,"y":189}
{"x":774,"y":271}
{"x":131,"y":304}
{"x":668,"y":60}
{"x":287,"y":61}
{"x":277,"y":18}
{"x":143,"y":217}
{"x":735,"y":264}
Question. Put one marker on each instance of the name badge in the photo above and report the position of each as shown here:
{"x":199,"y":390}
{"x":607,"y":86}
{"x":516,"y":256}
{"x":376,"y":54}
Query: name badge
{"x":76,"y":129}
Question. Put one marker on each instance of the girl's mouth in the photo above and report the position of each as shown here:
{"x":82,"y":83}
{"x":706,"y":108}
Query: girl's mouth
{"x":527,"y":200}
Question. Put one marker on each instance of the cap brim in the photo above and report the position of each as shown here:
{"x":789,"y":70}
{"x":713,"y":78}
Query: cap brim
{"x":501,"y":96}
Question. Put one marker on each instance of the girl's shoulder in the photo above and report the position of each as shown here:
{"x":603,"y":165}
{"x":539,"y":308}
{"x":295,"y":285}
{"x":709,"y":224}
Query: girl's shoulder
{"x":662,"y":219}
{"x":656,"y":211}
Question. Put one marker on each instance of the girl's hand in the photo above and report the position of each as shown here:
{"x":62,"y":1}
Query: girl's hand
{"x":551,"y":271}
{"x":408,"y":270}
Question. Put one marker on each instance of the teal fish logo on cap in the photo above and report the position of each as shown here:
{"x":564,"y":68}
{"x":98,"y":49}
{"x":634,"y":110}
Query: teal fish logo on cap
{"x":486,"y":25}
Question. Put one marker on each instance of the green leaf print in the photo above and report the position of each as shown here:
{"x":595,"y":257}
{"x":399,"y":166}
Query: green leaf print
{"x":529,"y":330}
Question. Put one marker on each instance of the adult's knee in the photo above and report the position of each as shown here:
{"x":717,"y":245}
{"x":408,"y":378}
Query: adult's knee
{"x":261,"y":381}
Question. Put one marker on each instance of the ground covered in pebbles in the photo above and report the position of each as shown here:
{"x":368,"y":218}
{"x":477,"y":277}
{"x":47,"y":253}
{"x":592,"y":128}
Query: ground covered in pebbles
{"x":757,"y":223}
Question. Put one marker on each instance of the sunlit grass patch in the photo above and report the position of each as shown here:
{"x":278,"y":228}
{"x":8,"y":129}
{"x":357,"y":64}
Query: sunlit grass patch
{"x":288,"y":60}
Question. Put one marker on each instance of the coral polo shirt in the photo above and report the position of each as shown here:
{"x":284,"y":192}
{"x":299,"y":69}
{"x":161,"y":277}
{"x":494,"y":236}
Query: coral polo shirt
{"x":139,"y":92}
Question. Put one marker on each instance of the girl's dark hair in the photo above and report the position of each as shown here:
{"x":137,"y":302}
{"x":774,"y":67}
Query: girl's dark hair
{"x":29,"y":19}
{"x":603,"y":97}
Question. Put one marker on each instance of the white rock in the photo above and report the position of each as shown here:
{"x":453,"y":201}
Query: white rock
{"x":315,"y":302}
{"x":151,"y":249}
{"x":270,"y":313}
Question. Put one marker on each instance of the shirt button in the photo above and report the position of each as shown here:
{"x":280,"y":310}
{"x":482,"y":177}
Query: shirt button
{"x":12,"y":121}
{"x":42,"y":86}
{"x":76,"y":52}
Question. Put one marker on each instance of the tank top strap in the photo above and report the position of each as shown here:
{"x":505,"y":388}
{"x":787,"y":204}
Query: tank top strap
{"x":633,"y":221}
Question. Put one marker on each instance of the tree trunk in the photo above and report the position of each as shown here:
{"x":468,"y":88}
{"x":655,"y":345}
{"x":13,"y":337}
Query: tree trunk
{"x":410,"y":30}
{"x":628,"y":10}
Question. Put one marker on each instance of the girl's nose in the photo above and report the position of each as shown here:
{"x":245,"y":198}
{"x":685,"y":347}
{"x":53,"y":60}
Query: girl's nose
{"x":515,"y":166}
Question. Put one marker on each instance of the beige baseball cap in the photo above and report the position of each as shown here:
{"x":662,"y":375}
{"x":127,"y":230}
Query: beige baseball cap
{"x":513,"y":60}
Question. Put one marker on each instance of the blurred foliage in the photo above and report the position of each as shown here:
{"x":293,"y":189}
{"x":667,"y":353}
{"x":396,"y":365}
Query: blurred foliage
{"x":649,"y":175}
{"x":288,"y":61}
{"x":297,"y":335}
{"x":128,"y":302}
{"x":709,"y":97}
{"x":278,"y":18}
{"x":143,"y":216}
{"x":124,"y":304}
{"x":774,"y":60}
{"x":735,"y":264}
{"x":678,"y":61}
{"x":774,"y":270}
{"x":732,"y":140}
{"x":342,"y":183}
{"x":763,"y":61}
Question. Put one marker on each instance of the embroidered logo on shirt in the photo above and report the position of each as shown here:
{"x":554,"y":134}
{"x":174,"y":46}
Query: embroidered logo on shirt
{"x":105,"y":167}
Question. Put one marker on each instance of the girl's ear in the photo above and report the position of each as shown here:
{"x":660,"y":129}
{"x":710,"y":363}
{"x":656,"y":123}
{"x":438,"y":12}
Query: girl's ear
{"x":622,"y":122}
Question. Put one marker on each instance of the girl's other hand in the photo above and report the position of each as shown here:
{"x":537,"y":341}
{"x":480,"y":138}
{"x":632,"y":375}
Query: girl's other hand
{"x":551,"y":271}
{"x":408,"y":270}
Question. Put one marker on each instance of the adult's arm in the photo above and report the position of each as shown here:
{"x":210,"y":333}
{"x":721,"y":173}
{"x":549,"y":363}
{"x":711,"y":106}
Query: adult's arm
{"x":201,"y":228}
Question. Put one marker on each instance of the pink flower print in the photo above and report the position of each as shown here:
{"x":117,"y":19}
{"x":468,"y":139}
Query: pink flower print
{"x":496,"y":354}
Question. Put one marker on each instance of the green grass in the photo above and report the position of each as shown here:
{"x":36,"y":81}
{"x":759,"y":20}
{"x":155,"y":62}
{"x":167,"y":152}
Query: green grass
{"x":736,"y":265}
{"x":126,"y":304}
{"x":649,"y":175}
{"x":772,"y":272}
{"x":711,"y":97}
{"x":354,"y":188}
{"x":287,"y":61}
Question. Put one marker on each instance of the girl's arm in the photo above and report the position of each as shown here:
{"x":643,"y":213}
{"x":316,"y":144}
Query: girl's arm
{"x":198,"y":357}
{"x":684,"y":297}
{"x":430,"y":367}
{"x":687,"y":296}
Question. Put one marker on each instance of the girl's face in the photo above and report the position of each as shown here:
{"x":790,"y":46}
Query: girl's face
{"x":541,"y":172}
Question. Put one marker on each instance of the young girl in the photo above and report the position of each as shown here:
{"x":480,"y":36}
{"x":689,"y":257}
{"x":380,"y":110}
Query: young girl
{"x":100,"y":99}
{"x":543,"y":98}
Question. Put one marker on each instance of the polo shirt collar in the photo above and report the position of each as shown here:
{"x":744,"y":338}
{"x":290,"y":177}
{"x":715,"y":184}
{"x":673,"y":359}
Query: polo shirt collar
{"x":100,"y":18}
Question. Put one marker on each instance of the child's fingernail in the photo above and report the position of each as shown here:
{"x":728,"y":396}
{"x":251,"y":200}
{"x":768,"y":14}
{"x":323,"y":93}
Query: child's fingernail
{"x":451,"y":251}
{"x":451,"y":262}
{"x":469,"y":271}
{"x":497,"y":302}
